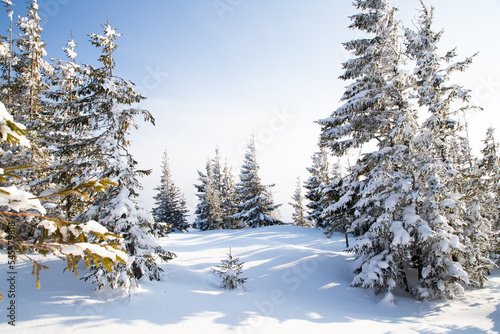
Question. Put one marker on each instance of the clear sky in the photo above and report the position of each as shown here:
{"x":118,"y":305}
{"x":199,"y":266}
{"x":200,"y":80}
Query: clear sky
{"x":214,"y":72}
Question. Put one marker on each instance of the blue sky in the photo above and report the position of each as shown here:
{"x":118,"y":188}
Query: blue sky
{"x":216,"y":71}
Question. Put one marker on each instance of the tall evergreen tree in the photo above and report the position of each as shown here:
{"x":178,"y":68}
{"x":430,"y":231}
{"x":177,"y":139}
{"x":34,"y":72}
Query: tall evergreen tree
{"x":170,"y":203}
{"x":202,"y":211}
{"x":337,"y":200}
{"x":489,"y":171}
{"x":442,"y":178}
{"x":6,"y":56}
{"x":298,"y":216}
{"x":117,"y":208}
{"x":370,"y":101}
{"x":70,"y":132}
{"x":23,"y":76}
{"x":89,"y":240}
{"x":254,"y":206}
{"x":217,"y":197}
{"x":228,"y":201}
{"x":28,"y":85}
{"x":209,"y":209}
{"x":378,"y":197}
{"x":411,"y":208}
{"x":29,"y":66}
{"x":91,"y":111}
{"x":315,"y":185}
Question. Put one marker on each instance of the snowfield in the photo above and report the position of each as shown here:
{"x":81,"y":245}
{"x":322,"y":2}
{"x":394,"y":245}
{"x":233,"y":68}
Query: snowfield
{"x":298,"y":282}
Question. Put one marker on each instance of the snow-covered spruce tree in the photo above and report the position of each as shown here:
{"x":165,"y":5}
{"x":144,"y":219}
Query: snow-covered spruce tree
{"x":480,"y":216}
{"x":317,"y":181}
{"x":22,"y":88}
{"x":254,"y":205}
{"x":230,"y":270}
{"x":215,"y":190}
{"x":298,"y":216}
{"x":367,"y":112}
{"x":372,"y":103}
{"x":71,"y":242}
{"x":70,"y":132}
{"x":228,"y":203}
{"x":449,"y":256}
{"x":10,"y":153}
{"x":24,"y":75}
{"x":217,"y":197}
{"x":337,"y":200}
{"x":378,"y":197}
{"x":109,"y":110}
{"x":478,"y":232}
{"x":6,"y":56}
{"x":209,"y":209}
{"x":28,"y":83}
{"x":488,"y":168}
{"x":170,"y":203}
{"x":202,"y":211}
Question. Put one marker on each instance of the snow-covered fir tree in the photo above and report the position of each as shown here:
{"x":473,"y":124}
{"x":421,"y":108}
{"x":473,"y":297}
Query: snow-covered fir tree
{"x":216,"y":195}
{"x":378,"y":196}
{"x":228,"y":201}
{"x":109,"y":111}
{"x":317,"y":181}
{"x":70,"y":131}
{"x":255,"y":207}
{"x":408,"y":201}
{"x":298,"y":216}
{"x":69,"y":241}
{"x":89,"y":116}
{"x":23,"y":83}
{"x":230,"y":270}
{"x":367,"y":112}
{"x":217,"y":191}
{"x":479,"y":215}
{"x":28,"y":85}
{"x":170,"y":203}
{"x":450,"y":256}
{"x":7,"y":56}
{"x":73,"y":129}
{"x":338,"y":204}
{"x":28,"y":81}
{"x":488,"y":168}
{"x":209,"y":209}
{"x":202,"y":211}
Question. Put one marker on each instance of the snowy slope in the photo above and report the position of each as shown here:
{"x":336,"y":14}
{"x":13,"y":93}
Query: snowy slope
{"x":298,"y":281}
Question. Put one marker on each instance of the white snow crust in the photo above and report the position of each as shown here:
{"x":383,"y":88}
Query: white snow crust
{"x":298,"y":282}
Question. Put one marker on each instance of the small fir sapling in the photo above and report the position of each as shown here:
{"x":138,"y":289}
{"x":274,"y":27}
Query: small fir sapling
{"x":229,"y":270}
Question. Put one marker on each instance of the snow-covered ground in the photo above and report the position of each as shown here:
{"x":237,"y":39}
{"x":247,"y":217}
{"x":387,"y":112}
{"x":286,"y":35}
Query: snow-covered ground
{"x":298,"y":282}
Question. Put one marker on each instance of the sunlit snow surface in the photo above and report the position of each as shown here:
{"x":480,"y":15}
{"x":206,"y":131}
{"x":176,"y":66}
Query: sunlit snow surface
{"x":298,"y":282}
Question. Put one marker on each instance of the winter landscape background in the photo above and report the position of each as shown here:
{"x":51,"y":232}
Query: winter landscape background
{"x":410,"y":210}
